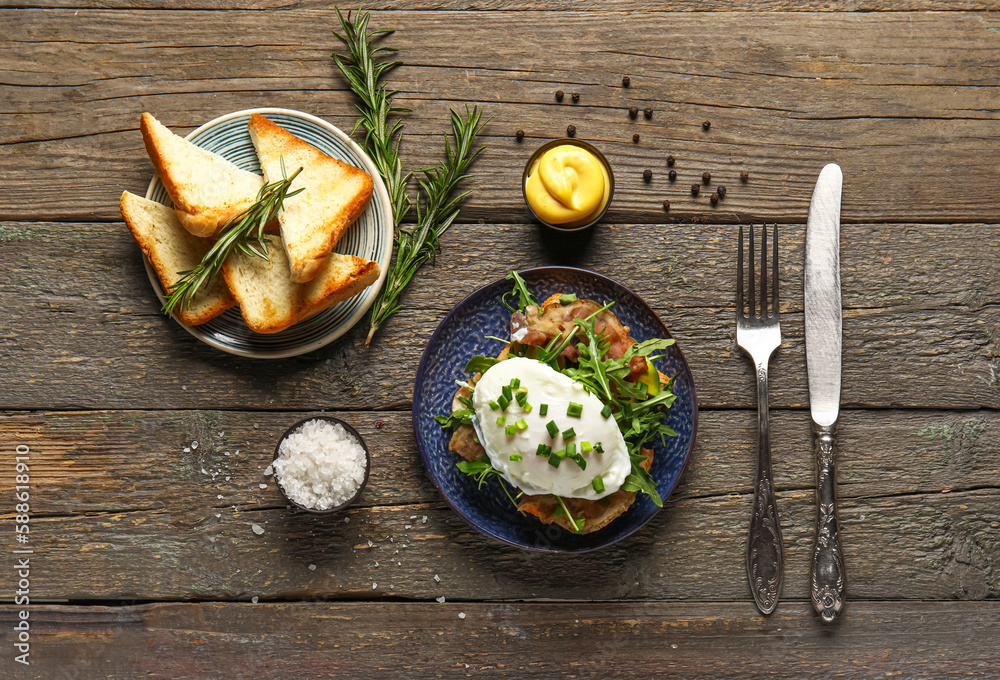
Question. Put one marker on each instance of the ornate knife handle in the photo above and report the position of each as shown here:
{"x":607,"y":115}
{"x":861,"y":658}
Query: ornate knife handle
{"x":765,"y":556}
{"x":828,"y":561}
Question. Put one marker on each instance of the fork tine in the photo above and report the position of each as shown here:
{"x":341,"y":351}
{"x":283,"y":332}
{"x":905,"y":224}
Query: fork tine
{"x":752,"y":301}
{"x":763,"y":271}
{"x":739,"y":278}
{"x":774,"y":273}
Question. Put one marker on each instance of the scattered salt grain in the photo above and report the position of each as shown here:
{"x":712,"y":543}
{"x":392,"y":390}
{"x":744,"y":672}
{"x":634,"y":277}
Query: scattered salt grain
{"x":194,"y":444}
{"x":424,"y":520}
{"x":263,"y":486}
{"x":187,"y":449}
{"x":268,"y":471}
{"x":183,"y":387}
{"x":257,"y":529}
{"x":407,"y":526}
{"x":255,"y":599}
{"x":255,"y":426}
{"x":374,"y":586}
{"x":440,"y":599}
{"x":219,"y":496}
{"x":320,"y":465}
{"x":437,"y":579}
{"x":461,"y":615}
{"x":312,"y":567}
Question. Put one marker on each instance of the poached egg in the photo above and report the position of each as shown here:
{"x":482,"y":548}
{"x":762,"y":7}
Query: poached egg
{"x":515,"y":455}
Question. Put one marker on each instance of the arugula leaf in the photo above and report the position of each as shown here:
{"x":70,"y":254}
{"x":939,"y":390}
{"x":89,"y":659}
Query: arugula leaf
{"x":479,"y":364}
{"x":453,"y":420}
{"x":481,"y":470}
{"x":639,"y":480}
{"x":524,"y":296}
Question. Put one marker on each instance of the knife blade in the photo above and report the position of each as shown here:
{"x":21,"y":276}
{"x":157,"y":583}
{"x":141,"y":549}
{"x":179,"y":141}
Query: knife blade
{"x":824,"y":338}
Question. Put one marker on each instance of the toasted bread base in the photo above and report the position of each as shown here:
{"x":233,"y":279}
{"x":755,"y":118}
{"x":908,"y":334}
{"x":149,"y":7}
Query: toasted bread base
{"x":335,"y":193}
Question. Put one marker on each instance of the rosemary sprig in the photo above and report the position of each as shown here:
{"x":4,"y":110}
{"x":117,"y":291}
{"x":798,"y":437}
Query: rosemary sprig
{"x":245,"y":233}
{"x":363,"y":70}
{"x":436,"y":211}
{"x":436,"y":208}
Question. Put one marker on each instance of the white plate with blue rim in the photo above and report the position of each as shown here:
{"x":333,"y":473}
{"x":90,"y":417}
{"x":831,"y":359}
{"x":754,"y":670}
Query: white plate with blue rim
{"x":369,"y":237}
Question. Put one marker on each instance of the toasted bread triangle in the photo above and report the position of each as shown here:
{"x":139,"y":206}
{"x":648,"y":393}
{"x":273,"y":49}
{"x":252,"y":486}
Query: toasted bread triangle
{"x":172,"y":249}
{"x":313,"y":221}
{"x":207,"y":190}
{"x":270,"y":301}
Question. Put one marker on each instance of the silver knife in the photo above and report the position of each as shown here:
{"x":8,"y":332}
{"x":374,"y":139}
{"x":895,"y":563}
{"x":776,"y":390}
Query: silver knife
{"x":823,"y":346}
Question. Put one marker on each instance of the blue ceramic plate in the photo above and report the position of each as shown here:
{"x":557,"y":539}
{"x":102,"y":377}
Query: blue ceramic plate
{"x":461,"y":335}
{"x":369,"y":237}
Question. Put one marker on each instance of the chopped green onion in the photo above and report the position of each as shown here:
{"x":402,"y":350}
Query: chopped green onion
{"x":569,"y":434}
{"x":585,"y":447}
{"x":574,"y":410}
{"x":521,"y":425}
{"x":507,"y":393}
{"x":543,"y":410}
{"x":554,"y":460}
{"x":521,"y":396}
{"x":501,"y":420}
{"x":578,"y":459}
{"x":504,"y":402}
{"x":598,"y":485}
{"x":561,"y":453}
{"x":509,"y":429}
{"x":527,"y":408}
{"x":567,"y":298}
{"x":515,"y":457}
{"x":543,"y":450}
{"x":494,"y":406}
{"x":515,"y":383}
{"x":552,"y":428}
{"x":606,"y":411}
{"x":598,"y":447}
{"x":570,"y":450}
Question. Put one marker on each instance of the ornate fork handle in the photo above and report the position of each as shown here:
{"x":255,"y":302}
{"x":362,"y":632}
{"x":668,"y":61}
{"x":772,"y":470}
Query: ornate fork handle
{"x":828,"y":561}
{"x":765,"y":557}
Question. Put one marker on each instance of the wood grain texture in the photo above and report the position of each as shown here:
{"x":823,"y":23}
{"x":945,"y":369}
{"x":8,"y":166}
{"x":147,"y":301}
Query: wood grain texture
{"x":159,"y":506}
{"x":903,"y":101}
{"x":561,"y":6}
{"x":580,"y":640}
{"x":921,"y":318}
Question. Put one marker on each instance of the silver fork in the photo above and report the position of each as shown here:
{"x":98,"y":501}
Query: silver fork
{"x":758,"y":333}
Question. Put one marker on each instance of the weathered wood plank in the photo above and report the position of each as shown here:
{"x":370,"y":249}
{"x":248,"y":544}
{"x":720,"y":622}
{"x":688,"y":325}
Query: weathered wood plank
{"x":904,"y":101}
{"x":580,"y":640}
{"x":533,"y":5}
{"x":920,"y":322}
{"x":125,"y":507}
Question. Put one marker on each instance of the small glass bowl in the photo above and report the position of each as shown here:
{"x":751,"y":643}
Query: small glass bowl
{"x":351,"y":431}
{"x":584,"y":222}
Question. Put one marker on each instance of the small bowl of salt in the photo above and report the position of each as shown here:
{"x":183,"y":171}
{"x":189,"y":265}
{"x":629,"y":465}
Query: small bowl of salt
{"x":321,"y":464}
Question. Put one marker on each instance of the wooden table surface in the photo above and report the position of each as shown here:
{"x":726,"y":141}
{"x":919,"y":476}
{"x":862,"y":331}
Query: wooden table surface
{"x":144,"y":565}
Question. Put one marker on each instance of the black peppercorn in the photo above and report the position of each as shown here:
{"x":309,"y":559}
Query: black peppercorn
{"x":648,"y":112}
{"x":559,"y":95}
{"x":635,"y":138}
{"x":571,"y":130}
{"x":721,"y":191}
{"x":670,"y":161}
{"x":575,"y":96}
{"x":695,"y":188}
{"x":706,"y":177}
{"x":744,"y":175}
{"x":626,"y":81}
{"x":672,"y":175}
{"x":647,"y":175}
{"x":714,"y":198}
{"x":519,"y":134}
{"x":666,"y":205}
{"x":707,"y":124}
{"x":633,"y":111}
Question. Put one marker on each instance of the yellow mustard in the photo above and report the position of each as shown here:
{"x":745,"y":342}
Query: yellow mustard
{"x":567,"y":184}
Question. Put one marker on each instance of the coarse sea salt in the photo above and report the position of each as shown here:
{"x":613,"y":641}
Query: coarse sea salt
{"x":320,"y":465}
